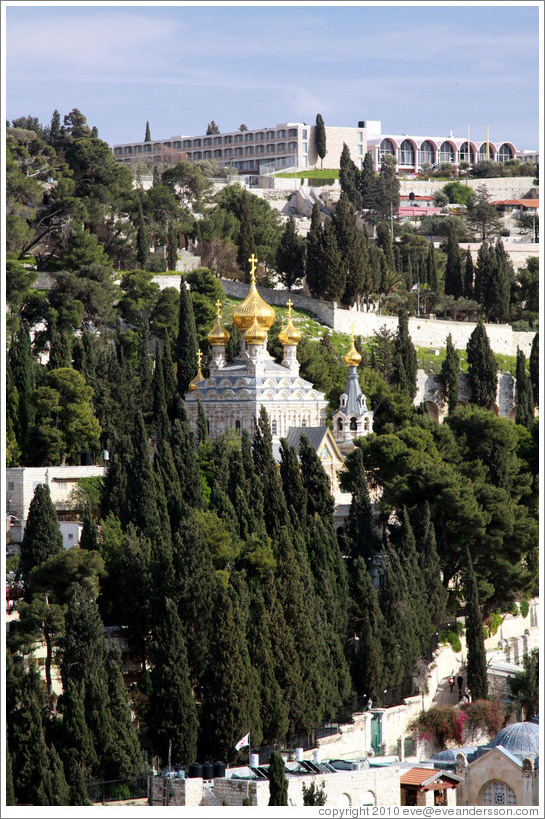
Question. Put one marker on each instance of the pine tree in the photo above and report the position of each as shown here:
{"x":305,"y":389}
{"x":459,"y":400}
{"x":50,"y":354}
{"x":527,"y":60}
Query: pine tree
{"x":290,"y":256}
{"x":142,"y":239}
{"x":534,"y":368}
{"x":42,"y":536}
{"x":278,"y":783}
{"x":449,"y":375}
{"x":186,"y":343}
{"x":453,"y":269}
{"x":333,"y":270}
{"x":147,"y":137}
{"x":172,"y":708}
{"x":524,"y":398}
{"x":313,"y":266}
{"x":246,"y":242}
{"x":482,"y":368}
{"x":320,"y":139}
{"x":477,"y":681}
{"x":405,"y":349}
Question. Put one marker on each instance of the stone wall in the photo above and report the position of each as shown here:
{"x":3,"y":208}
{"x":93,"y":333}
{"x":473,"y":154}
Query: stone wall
{"x":509,"y":187}
{"x":429,"y":389}
{"x":430,"y":333}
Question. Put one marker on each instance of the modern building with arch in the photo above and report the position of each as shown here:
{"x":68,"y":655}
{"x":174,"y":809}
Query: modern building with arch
{"x":413,"y":152}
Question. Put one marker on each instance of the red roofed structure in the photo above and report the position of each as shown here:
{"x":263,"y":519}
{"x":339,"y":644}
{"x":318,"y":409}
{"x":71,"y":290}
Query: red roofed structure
{"x":416,"y":783}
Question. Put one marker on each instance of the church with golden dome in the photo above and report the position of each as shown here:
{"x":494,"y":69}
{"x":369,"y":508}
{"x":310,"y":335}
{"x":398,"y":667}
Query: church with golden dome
{"x":233,"y":393}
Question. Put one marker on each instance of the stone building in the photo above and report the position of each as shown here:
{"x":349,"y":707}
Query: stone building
{"x":352,"y":419}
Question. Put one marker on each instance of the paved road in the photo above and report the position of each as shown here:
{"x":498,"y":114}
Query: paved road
{"x":444,"y":695}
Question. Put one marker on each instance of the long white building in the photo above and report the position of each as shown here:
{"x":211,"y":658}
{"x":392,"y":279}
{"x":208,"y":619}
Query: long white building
{"x":291,"y":145}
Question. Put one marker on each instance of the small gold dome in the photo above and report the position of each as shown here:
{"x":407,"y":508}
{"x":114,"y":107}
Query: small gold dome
{"x":218,"y":335}
{"x":199,"y":377}
{"x":255,"y":334}
{"x":253,"y":307}
{"x":290,"y":334}
{"x":352,"y":357}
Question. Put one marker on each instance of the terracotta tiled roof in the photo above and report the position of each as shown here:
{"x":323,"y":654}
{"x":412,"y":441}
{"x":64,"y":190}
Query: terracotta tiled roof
{"x":527,"y":203}
{"x":429,"y":779}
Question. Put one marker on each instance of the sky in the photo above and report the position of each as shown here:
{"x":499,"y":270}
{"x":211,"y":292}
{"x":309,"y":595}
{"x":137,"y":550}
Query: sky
{"x":421,"y":69}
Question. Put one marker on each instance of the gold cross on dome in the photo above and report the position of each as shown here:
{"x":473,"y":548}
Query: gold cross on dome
{"x":352,"y":332}
{"x":253,"y":261}
{"x":218,"y":308}
{"x":290,"y":305}
{"x":199,"y":358}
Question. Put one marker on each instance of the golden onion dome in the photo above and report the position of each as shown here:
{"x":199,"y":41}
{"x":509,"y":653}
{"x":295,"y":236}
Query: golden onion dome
{"x":199,"y":377}
{"x":218,"y":335}
{"x":289,"y":335}
{"x":352,"y":357}
{"x":253,"y":307}
{"x":255,"y":334}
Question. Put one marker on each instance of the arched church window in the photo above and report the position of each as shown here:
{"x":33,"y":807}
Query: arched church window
{"x":273,"y":427}
{"x":353,"y":424}
{"x":340,"y":423}
{"x":498,"y":793}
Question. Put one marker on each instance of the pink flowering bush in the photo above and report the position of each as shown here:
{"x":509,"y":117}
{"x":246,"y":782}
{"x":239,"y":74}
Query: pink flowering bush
{"x":440,"y":725}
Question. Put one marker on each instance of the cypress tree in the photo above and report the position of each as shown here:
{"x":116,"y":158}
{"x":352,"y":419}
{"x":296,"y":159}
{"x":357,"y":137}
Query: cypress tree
{"x":89,"y":531}
{"x":485,"y":273}
{"x":80,"y":758}
{"x":246,"y":242}
{"x":164,"y":464}
{"x":368,"y":624}
{"x":126,"y":760}
{"x":292,"y":483}
{"x":186,"y":461}
{"x":367,"y":183}
{"x":361,"y":538}
{"x":42,"y":536}
{"x":142,"y":239}
{"x":319,"y":499}
{"x":353,"y":248}
{"x":10,"y":789}
{"x":449,"y":375}
{"x":186,"y":343}
{"x":333,"y":271}
{"x":202,"y":423}
{"x":172,"y":708}
{"x":500,"y":285}
{"x":275,"y":512}
{"x":169,"y":378}
{"x":290,"y":256}
{"x":477,"y":681}
{"x":408,"y":559}
{"x":320,"y":139}
{"x":141,"y":494}
{"x":525,"y":403}
{"x":160,"y":411}
{"x":147,"y":137}
{"x":404,"y":347}
{"x":482,"y":368}
{"x":430,"y":567}
{"x":136,"y":589}
{"x":22,"y":368}
{"x":387,"y":198}
{"x":226,"y":694}
{"x":453,"y":269}
{"x":313,"y":265}
{"x":55,"y":127}
{"x":400,"y":659}
{"x":59,"y":788}
{"x":348,"y":174}
{"x":278,"y":783}
{"x":469,"y":275}
{"x":384,"y":242}
{"x":145,"y":369}
{"x":60,"y":347}
{"x":274,"y":716}
{"x":172,"y":246}
{"x":534,"y":368}
{"x":195,"y":594}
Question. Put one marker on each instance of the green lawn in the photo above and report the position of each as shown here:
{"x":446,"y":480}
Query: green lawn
{"x":325,"y":173}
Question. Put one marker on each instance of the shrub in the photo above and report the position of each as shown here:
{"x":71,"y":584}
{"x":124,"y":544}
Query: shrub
{"x":440,"y":725}
{"x":493,"y":623}
{"x":524,"y":608}
{"x":452,"y":638}
{"x":487,"y":715}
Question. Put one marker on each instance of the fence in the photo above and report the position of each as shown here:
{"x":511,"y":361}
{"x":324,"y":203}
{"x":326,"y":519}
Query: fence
{"x":116,"y":790}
